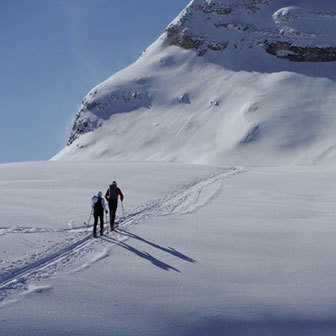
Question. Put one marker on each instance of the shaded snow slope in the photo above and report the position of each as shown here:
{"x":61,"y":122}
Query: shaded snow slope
{"x":244,"y":82}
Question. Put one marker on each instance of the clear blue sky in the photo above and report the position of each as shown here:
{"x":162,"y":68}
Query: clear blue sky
{"x":54,"y":51}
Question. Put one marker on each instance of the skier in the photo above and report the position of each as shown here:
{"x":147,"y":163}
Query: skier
{"x":111,"y":196}
{"x":98,"y":205}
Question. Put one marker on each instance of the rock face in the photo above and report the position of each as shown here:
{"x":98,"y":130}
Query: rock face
{"x":300,"y":54}
{"x":96,"y":108}
{"x":299,"y":34}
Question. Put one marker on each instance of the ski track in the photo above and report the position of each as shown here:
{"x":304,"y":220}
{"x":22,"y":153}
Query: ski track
{"x":183,"y":200}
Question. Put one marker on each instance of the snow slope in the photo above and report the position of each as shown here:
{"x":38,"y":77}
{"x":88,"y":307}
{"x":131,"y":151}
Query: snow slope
{"x":228,"y":82}
{"x":202,"y":251}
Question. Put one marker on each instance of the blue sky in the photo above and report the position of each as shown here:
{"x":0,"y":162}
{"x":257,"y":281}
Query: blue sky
{"x":54,"y":51}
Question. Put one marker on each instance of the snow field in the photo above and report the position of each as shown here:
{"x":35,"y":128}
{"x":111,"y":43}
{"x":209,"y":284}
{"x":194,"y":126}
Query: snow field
{"x":245,"y":252}
{"x":42,"y":247}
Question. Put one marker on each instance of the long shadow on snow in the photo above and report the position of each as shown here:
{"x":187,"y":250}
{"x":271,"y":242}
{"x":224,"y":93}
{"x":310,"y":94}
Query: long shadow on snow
{"x":144,"y":255}
{"x":218,"y":327}
{"x":165,"y":249}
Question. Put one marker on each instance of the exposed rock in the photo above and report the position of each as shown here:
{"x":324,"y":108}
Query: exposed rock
{"x":202,"y":52}
{"x":217,"y":9}
{"x":300,"y":54}
{"x":242,"y":27}
{"x":181,"y":39}
{"x":90,"y":106}
{"x":217,"y":45}
{"x":94,"y":111}
{"x":82,"y":125}
{"x":225,"y":8}
{"x":214,"y":103}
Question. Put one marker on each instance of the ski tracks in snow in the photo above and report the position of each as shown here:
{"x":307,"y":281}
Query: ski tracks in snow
{"x":184,"y":199}
{"x":193,"y":197}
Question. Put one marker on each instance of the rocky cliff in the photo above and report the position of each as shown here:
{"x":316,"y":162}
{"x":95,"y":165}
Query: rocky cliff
{"x":297,"y":33}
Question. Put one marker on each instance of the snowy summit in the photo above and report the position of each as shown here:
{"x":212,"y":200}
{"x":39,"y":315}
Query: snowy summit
{"x":245,"y":82}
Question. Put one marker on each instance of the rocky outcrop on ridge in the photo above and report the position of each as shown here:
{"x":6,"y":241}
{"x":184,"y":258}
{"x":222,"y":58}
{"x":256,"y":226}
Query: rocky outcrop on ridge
{"x":297,"y":33}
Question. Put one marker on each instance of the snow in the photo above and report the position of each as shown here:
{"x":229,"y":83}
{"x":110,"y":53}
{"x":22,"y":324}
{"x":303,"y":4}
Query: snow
{"x":201,"y":250}
{"x":216,"y":133}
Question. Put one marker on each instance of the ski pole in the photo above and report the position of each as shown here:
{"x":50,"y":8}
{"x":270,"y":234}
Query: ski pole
{"x":88,"y":222}
{"x":122,"y":207}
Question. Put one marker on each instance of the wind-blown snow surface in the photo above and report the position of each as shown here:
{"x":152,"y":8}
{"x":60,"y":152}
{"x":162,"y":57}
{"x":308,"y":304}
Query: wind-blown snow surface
{"x":202,"y":251}
{"x":208,"y":92}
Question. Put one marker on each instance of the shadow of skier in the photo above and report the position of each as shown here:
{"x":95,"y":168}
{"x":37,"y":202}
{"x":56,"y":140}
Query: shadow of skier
{"x":145,"y":255}
{"x":170,"y":250}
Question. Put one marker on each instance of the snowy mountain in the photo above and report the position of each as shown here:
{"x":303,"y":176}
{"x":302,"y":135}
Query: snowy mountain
{"x":229,"y":81}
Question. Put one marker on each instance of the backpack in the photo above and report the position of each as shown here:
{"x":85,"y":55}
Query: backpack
{"x":98,"y":205}
{"x":113,"y":193}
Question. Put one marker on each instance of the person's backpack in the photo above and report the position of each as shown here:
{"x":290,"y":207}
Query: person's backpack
{"x":113,"y":193}
{"x":98,"y":205}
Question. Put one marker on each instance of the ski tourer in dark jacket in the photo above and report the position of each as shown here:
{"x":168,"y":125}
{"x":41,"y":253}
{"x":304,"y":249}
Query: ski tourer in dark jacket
{"x":111,"y":195}
{"x":98,"y":206}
